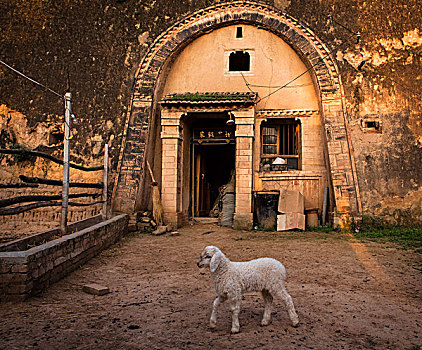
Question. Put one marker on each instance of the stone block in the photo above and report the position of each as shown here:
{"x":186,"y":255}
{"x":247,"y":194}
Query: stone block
{"x":291,"y":202}
{"x":245,"y":171}
{"x":245,"y":158}
{"x":95,"y":289}
{"x":312,"y":219}
{"x":60,"y":260}
{"x":245,"y":152}
{"x":243,"y":221}
{"x":20,"y":268}
{"x":243,"y":165}
{"x":243,"y":197}
{"x":7,"y":278}
{"x":290,"y":221}
{"x":19,"y":288}
{"x":160,"y":230}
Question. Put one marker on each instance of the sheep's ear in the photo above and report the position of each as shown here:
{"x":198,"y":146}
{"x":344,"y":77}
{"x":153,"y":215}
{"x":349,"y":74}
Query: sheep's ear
{"x":215,"y":261}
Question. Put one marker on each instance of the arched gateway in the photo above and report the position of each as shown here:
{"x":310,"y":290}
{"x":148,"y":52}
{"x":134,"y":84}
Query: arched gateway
{"x":208,"y":103}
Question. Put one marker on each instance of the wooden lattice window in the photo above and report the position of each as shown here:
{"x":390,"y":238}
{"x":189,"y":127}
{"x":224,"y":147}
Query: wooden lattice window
{"x":269,"y":140}
{"x":281,"y":139}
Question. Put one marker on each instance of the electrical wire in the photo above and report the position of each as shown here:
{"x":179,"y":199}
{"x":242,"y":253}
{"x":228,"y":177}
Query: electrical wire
{"x":249,"y":85}
{"x":341,"y":25}
{"x":246,"y":82}
{"x":311,"y":67}
{"x":277,"y":86}
{"x":31,"y":80}
{"x":45,"y":87}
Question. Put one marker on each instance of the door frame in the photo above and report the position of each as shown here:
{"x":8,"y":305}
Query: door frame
{"x":173,"y":120}
{"x":194,"y":184}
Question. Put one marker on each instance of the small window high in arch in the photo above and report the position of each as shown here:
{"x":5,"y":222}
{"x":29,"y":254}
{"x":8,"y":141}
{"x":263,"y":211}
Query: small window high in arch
{"x":239,"y":61}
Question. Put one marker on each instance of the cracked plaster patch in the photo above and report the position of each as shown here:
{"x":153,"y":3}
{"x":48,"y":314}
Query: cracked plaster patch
{"x":353,"y":58}
{"x":394,"y":50}
{"x":17,"y":125}
{"x":142,"y":38}
{"x":96,"y":141}
{"x":282,"y":4}
{"x":412,"y":38}
{"x":390,"y":44}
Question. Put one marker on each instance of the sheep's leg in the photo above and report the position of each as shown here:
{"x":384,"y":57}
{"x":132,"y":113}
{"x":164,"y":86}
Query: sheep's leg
{"x":215,"y":305}
{"x":289,"y":304}
{"x":268,"y":300}
{"x":235,"y":309}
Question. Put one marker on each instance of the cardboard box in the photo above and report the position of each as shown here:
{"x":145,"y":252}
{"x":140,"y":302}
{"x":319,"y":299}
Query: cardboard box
{"x":291,"y":202}
{"x":290,"y":221}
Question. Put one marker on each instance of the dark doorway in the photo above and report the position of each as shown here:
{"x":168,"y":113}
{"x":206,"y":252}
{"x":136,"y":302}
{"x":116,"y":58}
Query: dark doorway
{"x":213,"y":167}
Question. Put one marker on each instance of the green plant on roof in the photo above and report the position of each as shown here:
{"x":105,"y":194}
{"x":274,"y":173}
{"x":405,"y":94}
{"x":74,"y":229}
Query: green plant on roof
{"x":211,"y":96}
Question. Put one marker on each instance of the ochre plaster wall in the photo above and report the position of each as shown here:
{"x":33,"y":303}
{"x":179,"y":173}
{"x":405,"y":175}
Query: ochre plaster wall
{"x":202,"y":66}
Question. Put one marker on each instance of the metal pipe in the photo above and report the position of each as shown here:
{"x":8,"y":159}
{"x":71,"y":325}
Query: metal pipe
{"x":324,"y":206}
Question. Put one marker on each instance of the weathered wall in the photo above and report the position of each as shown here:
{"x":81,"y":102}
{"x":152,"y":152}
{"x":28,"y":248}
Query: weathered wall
{"x":98,"y":45}
{"x":388,"y":89}
{"x":46,"y":136}
{"x":101,"y":44}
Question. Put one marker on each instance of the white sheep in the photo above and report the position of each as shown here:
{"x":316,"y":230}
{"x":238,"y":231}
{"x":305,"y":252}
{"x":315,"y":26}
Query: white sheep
{"x":265,"y":275}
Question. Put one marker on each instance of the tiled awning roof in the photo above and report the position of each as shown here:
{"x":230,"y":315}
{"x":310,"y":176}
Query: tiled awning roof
{"x":268,"y":113}
{"x":211,"y":98}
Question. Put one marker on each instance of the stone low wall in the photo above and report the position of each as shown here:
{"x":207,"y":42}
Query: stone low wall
{"x":28,"y":272}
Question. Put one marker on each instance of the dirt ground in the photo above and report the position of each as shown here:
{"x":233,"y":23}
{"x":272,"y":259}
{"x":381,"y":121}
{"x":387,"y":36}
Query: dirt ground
{"x":348,"y":295}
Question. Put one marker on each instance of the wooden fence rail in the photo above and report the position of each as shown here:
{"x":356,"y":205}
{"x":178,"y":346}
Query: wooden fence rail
{"x":24,"y":208}
{"x":35,"y":198}
{"x":18,"y":185}
{"x":39,"y":180}
{"x":50,"y":200}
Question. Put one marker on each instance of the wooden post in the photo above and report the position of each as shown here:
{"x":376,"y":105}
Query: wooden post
{"x":324,"y":207}
{"x":105,"y":212}
{"x":65,"y":190}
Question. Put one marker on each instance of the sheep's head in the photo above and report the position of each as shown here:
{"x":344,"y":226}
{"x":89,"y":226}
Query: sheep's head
{"x":206,"y":256}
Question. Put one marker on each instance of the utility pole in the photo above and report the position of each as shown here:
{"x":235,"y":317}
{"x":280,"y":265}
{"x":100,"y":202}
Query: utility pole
{"x":65,"y":190}
{"x":105,"y":212}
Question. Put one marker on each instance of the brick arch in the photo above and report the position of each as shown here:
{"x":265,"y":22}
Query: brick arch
{"x":169,"y":44}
